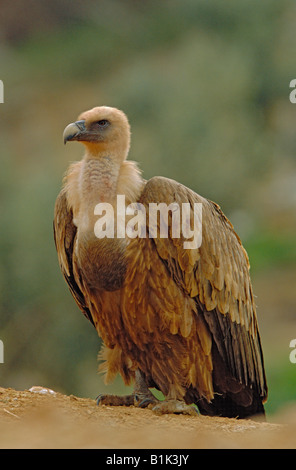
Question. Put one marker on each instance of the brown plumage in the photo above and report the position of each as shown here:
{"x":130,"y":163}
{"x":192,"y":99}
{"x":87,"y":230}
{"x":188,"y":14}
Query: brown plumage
{"x":181,"y":320}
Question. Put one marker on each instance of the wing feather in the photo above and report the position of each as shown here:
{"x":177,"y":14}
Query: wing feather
{"x":64,"y":237}
{"x":216,"y":275}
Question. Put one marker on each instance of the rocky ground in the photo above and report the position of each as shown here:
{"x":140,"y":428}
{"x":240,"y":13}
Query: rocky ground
{"x":41,"y":418}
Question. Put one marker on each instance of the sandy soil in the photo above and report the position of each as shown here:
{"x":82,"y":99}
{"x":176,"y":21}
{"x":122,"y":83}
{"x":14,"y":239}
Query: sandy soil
{"x":41,"y":418}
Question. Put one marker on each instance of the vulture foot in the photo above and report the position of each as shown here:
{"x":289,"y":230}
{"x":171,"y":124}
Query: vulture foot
{"x":116,"y":400}
{"x":141,"y":396}
{"x":174,"y":407}
{"x":139,"y":399}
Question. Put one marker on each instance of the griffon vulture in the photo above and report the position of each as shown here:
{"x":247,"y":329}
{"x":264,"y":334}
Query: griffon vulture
{"x":181,"y":320}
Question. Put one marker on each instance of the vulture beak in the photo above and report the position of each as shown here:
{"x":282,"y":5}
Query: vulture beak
{"x":74,"y":131}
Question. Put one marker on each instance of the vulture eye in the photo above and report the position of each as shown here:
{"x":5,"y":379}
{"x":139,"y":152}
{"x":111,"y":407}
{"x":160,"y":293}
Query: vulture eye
{"x":103,"y":123}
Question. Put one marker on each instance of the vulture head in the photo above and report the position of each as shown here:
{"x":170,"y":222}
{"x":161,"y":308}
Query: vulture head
{"x":103,"y":130}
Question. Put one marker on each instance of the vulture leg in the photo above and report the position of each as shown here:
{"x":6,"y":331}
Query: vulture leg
{"x":141,"y":395}
{"x":145,"y":399}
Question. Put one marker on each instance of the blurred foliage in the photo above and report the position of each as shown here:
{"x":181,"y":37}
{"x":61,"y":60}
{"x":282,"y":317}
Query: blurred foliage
{"x":206,"y":88}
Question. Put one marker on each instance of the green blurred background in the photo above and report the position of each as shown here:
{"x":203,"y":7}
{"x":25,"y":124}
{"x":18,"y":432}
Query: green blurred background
{"x":205,"y":85}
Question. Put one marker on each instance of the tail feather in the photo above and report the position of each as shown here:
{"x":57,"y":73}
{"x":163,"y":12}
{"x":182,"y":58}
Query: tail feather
{"x":232,"y":398}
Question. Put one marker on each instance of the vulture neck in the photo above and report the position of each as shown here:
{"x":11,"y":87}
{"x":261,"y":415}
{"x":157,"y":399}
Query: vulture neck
{"x":100,"y":179}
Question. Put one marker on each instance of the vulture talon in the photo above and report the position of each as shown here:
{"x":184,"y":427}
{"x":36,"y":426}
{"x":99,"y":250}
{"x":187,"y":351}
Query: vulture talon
{"x":99,"y":398}
{"x":146,"y":402}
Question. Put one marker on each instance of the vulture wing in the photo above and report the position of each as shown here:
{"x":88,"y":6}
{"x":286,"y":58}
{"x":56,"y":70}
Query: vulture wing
{"x":216,"y":276}
{"x":65,"y":237}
